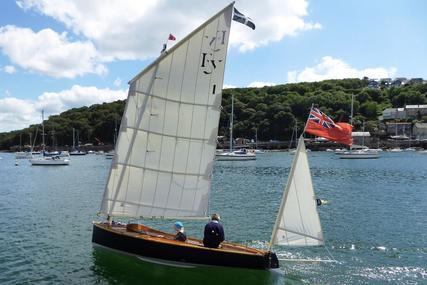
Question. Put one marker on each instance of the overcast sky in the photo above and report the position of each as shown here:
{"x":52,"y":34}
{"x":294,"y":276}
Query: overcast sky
{"x":56,"y":55}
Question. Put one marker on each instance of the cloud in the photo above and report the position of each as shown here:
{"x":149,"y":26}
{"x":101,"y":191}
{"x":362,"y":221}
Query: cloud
{"x":17,"y":113}
{"x":274,"y":20}
{"x":10,"y":69}
{"x":117,"y":82}
{"x":333,"y":68}
{"x":228,"y":86}
{"x":259,"y":84}
{"x":49,"y":53}
{"x":129,"y":29}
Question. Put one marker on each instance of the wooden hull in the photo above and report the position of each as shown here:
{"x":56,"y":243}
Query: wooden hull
{"x":151,"y":244}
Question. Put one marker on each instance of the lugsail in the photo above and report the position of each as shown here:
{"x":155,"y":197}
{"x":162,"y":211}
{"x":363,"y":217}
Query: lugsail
{"x":167,"y":138}
{"x":298,"y":222}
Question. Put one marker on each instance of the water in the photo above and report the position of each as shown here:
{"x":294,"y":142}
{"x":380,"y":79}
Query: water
{"x":374,"y":224}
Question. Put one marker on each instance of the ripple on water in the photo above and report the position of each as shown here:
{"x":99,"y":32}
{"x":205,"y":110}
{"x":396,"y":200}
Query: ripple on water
{"x":374,"y":224}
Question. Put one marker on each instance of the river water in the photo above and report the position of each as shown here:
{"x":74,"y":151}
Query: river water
{"x":375,"y":224}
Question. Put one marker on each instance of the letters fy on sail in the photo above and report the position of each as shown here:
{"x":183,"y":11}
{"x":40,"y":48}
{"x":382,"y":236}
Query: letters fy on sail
{"x":319,"y":124}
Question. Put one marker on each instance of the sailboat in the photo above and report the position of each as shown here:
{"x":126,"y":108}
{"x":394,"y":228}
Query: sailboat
{"x":76,"y":151}
{"x":110,"y":154}
{"x":48,"y":160}
{"x":294,"y":135}
{"x":241,"y":154}
{"x":164,"y":161}
{"x":361,"y":153}
{"x":22,"y":154}
{"x":257,"y":151}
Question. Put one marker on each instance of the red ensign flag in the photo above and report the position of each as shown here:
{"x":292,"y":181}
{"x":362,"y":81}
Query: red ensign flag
{"x":321,"y":125}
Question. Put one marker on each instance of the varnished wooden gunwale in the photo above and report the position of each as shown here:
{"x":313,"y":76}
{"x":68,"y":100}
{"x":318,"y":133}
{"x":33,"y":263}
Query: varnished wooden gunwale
{"x":140,"y":231}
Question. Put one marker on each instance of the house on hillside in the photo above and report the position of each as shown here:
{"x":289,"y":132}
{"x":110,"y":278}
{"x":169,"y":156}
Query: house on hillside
{"x":413,"y":111}
{"x":399,"y":130}
{"x":420,"y":131}
{"x":416,"y":81}
{"x":398,"y":82}
{"x":373,"y":84}
{"x":394,"y":114}
{"x":361,"y":138}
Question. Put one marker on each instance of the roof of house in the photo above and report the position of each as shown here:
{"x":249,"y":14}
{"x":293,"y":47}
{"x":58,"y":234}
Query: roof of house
{"x":415,"y":106}
{"x":360,"y":134}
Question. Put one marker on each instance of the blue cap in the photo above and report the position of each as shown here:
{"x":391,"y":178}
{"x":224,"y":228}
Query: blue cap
{"x":179,"y":225}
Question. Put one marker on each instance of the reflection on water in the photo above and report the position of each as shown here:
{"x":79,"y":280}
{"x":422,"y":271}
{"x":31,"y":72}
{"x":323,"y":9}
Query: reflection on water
{"x":117,"y":268}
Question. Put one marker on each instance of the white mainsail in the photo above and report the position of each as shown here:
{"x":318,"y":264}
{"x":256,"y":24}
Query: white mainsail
{"x":298,"y":222}
{"x":167,"y":139}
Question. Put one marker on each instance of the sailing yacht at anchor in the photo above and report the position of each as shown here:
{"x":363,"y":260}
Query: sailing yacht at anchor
{"x":48,"y":160}
{"x":241,"y":154}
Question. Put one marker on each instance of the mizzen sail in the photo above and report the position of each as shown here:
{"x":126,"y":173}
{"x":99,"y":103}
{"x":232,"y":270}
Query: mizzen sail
{"x":298,"y":222}
{"x":167,"y":138}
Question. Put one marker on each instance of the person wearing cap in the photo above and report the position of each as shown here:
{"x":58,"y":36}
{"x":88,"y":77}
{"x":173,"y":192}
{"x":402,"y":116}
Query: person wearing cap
{"x":214,"y":232}
{"x":179,"y":228}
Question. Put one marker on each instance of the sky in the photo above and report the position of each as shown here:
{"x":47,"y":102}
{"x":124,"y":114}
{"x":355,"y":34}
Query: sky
{"x":60,"y":54}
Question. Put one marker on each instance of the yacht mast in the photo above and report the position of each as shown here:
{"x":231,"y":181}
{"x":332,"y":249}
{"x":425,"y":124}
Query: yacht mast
{"x":43,"y":145}
{"x":231,"y":122}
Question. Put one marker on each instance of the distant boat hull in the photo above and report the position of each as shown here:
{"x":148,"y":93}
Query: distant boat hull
{"x":109,"y":155}
{"x":235,"y":156}
{"x":150,"y":244}
{"x":78,"y":153}
{"x":49,"y":161}
{"x":359,"y":155}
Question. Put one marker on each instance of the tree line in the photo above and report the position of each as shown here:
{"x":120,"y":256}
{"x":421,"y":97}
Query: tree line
{"x":272,"y":111}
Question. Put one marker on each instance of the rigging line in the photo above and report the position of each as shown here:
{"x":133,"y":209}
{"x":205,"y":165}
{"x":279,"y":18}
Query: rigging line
{"x":305,"y":260}
{"x":330,"y":254}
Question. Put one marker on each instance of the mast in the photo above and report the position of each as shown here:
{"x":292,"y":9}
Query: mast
{"x":231,"y":122}
{"x":74,"y":141}
{"x":296,"y":133}
{"x":31,"y":143}
{"x":256,"y":138}
{"x":363,"y":133}
{"x":43,"y":145}
{"x":115,"y":131}
{"x":351,"y":116}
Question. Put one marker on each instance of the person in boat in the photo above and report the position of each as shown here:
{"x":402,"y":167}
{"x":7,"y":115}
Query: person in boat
{"x":321,"y":202}
{"x":214,"y":232}
{"x":179,"y":228}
